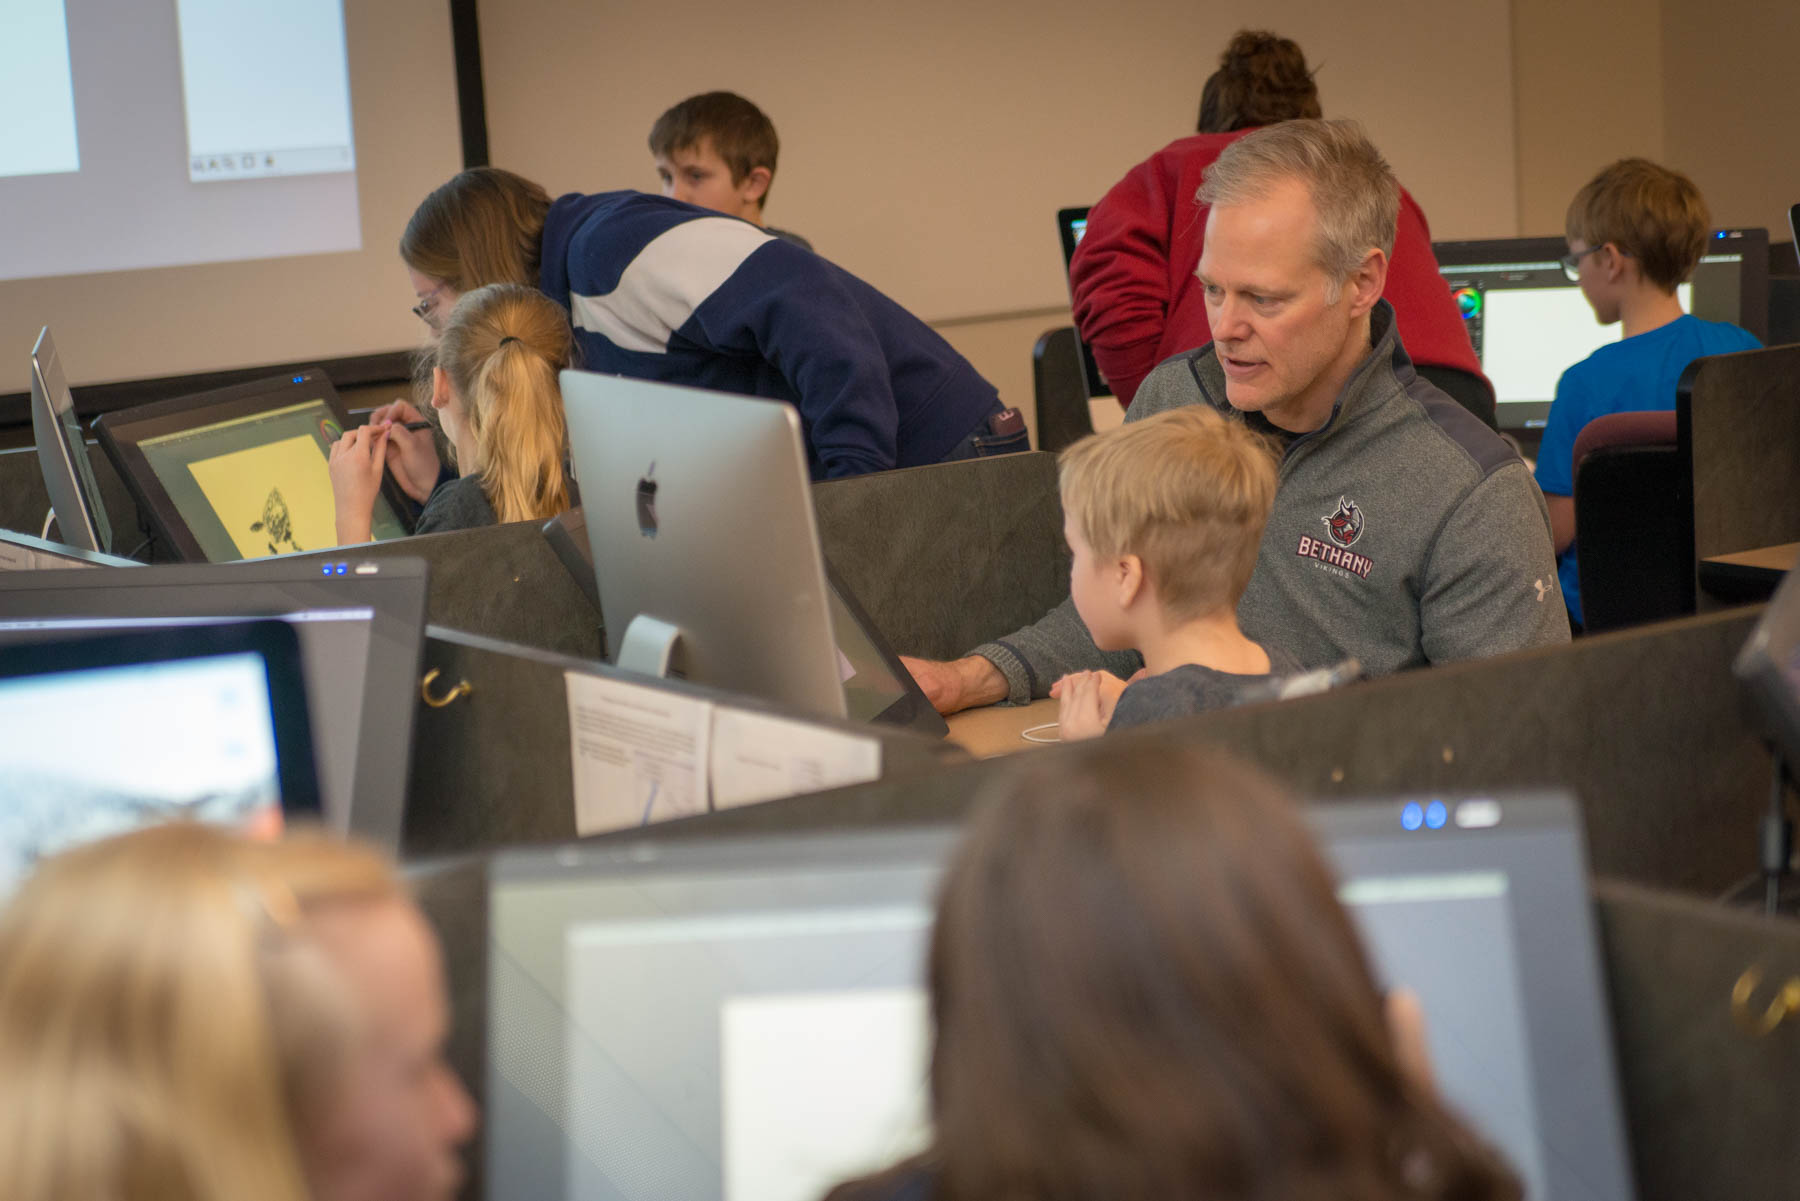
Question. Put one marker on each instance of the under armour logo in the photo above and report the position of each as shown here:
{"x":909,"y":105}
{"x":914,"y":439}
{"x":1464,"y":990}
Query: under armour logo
{"x":1543,"y":589}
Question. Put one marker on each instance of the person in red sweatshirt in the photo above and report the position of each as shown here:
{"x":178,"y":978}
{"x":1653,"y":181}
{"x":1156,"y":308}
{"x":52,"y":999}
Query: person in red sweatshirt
{"x":1137,"y":301}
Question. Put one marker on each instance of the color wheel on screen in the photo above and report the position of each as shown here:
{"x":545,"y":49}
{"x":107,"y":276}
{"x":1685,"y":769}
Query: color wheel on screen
{"x":1468,"y":302}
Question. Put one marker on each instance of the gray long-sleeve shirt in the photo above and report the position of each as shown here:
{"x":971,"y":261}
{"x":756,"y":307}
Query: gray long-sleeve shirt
{"x":1405,"y":532}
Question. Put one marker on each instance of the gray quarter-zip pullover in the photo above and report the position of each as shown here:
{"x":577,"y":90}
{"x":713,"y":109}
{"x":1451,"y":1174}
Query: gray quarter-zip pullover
{"x":1405,"y":532}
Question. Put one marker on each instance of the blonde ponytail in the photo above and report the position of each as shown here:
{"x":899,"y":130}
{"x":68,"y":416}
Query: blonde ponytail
{"x":502,"y":349}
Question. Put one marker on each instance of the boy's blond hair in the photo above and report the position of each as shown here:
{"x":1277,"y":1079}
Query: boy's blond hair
{"x":1652,"y":214}
{"x":1187,"y":491}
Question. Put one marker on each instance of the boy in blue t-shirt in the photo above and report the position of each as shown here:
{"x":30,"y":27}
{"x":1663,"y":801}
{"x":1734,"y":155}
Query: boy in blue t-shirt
{"x":1635,"y":233}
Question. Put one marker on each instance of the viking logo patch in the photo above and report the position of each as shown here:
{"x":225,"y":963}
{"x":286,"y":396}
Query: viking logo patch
{"x":1345,"y":524}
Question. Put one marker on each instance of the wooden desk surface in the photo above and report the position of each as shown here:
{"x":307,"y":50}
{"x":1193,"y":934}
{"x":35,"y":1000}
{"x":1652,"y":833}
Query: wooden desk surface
{"x":1767,"y":558}
{"x":999,"y":729}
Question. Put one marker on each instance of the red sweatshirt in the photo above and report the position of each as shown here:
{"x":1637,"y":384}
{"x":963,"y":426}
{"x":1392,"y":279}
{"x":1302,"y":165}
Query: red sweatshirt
{"x":1137,"y":301}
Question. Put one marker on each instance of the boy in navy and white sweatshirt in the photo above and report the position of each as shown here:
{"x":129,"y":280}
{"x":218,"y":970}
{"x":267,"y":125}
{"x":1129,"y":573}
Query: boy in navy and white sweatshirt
{"x":661,"y":290}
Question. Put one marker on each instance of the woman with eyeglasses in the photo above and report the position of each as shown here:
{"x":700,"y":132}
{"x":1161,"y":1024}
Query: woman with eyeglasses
{"x":495,"y":392}
{"x":1143,"y":987}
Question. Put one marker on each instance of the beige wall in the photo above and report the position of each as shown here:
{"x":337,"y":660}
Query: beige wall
{"x":1705,"y":86}
{"x":1729,"y":115}
{"x":927,"y":146}
{"x":1587,"y":82}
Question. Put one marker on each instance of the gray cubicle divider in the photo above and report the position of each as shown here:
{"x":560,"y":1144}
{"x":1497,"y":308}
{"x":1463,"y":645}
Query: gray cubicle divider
{"x":500,"y":581}
{"x":1709,"y":1098}
{"x":492,"y":768}
{"x":1646,"y":726}
{"x":949,"y":556}
{"x":1738,"y":426}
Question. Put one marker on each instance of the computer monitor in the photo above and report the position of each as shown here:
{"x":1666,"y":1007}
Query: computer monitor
{"x":1530,"y":323}
{"x":107,"y":734}
{"x":361,"y":629}
{"x":241,"y":472}
{"x":27,"y":552}
{"x":745,"y":1018}
{"x":63,"y":453}
{"x":699,"y":516}
{"x":878,"y":687}
{"x":1071,"y":224}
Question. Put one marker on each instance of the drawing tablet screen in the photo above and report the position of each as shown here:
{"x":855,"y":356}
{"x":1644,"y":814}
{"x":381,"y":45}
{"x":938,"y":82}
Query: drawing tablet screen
{"x":258,"y":484}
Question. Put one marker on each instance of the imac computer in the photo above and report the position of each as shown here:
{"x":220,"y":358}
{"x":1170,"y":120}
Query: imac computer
{"x":107,"y":734}
{"x":877,"y":686}
{"x":745,"y":1018}
{"x":361,"y":628}
{"x":63,"y":453}
{"x":1530,"y":323}
{"x":1071,"y":225}
{"x":241,"y":472}
{"x":699,"y":518}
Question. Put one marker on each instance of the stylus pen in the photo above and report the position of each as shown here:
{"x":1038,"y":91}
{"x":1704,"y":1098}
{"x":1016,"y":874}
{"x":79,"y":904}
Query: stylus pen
{"x":411,"y":425}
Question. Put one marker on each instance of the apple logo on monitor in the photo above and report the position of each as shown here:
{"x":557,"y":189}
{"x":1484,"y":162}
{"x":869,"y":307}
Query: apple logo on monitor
{"x":646,"y":503}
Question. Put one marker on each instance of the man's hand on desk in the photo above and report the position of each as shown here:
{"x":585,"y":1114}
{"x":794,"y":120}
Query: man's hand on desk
{"x":411,"y":454}
{"x":959,"y":684}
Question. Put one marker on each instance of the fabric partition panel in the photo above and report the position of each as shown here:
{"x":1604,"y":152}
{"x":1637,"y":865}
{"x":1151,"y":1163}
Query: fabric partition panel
{"x":1710,"y":1096}
{"x":946,"y":557}
{"x":1739,"y":429}
{"x":499,"y":581}
{"x":1646,"y":726}
{"x":492,"y":768}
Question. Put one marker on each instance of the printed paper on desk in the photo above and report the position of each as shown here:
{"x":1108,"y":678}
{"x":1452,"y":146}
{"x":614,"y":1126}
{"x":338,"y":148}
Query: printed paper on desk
{"x":756,"y":757}
{"x":639,"y":754}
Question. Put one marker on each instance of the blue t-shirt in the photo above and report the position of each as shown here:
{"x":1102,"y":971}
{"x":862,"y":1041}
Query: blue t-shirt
{"x":1635,"y":375}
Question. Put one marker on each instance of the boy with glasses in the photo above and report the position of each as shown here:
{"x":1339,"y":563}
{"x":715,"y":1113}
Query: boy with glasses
{"x":1635,"y":234}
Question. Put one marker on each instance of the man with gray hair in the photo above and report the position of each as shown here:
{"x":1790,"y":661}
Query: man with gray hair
{"x":1405,"y":532}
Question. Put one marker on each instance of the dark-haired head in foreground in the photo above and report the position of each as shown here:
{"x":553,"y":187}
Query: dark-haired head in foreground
{"x":1144,"y":988}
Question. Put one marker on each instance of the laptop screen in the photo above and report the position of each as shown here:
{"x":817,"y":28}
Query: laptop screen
{"x":773,"y":1036}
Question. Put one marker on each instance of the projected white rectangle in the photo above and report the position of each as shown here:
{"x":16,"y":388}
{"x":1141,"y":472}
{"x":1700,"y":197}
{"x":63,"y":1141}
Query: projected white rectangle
{"x":37,"y":94}
{"x":266,"y":90}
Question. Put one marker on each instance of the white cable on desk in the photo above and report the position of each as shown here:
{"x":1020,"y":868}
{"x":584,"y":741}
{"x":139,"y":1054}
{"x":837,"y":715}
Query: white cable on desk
{"x":1027,"y":733}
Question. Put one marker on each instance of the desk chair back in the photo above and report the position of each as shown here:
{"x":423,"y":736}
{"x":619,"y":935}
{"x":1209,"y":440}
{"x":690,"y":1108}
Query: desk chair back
{"x":1637,"y":561}
{"x":1060,"y":386}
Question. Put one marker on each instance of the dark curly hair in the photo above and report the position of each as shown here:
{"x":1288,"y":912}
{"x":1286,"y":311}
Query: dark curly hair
{"x":1262,"y":78}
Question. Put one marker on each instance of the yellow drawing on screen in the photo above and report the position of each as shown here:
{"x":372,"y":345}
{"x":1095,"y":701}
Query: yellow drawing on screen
{"x":273,"y":499}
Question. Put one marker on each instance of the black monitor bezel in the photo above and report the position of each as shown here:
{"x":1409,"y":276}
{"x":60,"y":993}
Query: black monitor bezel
{"x":62,"y":454}
{"x":273,"y":641}
{"x":393,"y":588}
{"x":121,"y":433}
{"x":1065,"y":229}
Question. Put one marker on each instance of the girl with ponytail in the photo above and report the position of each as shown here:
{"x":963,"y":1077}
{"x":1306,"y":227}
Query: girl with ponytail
{"x":494,"y":389}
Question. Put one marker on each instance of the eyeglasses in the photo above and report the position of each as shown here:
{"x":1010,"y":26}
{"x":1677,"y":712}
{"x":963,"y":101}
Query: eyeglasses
{"x":1571,"y":262}
{"x":428,"y":305}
